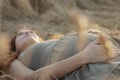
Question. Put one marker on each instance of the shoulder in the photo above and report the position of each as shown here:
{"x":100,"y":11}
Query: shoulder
{"x":19,"y":70}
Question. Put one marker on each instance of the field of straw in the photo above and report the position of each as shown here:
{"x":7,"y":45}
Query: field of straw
{"x":48,"y":17}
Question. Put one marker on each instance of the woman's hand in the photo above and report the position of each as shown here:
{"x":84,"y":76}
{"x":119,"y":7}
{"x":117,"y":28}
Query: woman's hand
{"x":100,"y":50}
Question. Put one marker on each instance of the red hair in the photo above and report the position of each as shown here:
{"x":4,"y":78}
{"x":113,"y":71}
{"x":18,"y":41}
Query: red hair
{"x":7,"y":56}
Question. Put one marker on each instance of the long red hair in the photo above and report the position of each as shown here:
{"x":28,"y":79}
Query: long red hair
{"x":6,"y":54}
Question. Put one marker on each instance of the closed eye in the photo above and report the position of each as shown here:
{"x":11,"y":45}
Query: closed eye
{"x":31,"y":31}
{"x":20,"y":33}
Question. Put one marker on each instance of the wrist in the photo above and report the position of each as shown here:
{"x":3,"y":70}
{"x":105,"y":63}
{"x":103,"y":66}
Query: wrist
{"x":82,"y":57}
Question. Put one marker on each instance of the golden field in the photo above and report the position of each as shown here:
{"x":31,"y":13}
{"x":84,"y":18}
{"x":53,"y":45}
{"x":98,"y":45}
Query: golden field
{"x":48,"y":17}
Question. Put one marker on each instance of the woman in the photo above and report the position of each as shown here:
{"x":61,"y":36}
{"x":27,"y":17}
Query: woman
{"x":38,"y":62}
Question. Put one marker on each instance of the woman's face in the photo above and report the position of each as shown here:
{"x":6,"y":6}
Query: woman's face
{"x":24,"y":39}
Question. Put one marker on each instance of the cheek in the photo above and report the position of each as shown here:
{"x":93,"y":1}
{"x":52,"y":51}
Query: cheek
{"x":18,"y":43}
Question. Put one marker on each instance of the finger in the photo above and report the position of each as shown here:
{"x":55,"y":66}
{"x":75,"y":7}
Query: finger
{"x":117,"y":51}
{"x":100,"y":40}
{"x":108,"y":45}
{"x":97,"y":41}
{"x":110,"y":52}
{"x":100,"y":49}
{"x":114,"y":52}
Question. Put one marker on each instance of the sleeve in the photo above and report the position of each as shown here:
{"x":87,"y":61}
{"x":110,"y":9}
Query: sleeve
{"x":26,"y":56}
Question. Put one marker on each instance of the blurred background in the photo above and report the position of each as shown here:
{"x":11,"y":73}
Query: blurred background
{"x":48,"y":17}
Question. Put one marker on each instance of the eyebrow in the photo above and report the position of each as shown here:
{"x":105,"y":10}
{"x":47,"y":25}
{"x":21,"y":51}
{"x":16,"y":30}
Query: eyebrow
{"x":19,"y":33}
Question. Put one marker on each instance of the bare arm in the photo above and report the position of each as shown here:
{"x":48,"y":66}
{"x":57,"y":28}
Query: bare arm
{"x":20,"y":71}
{"x":57,"y":70}
{"x":93,"y":53}
{"x":61,"y":68}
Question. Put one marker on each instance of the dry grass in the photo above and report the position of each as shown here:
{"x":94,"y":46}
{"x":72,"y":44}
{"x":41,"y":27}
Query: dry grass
{"x":50,"y":16}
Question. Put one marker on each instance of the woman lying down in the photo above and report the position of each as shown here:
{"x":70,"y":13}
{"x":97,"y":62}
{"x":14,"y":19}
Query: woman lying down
{"x":71,"y":57}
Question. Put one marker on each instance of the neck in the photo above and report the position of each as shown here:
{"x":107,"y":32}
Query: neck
{"x":24,"y":47}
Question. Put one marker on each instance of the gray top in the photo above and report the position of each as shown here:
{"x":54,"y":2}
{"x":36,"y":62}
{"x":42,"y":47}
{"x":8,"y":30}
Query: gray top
{"x":41,"y":54}
{"x":37,"y":54}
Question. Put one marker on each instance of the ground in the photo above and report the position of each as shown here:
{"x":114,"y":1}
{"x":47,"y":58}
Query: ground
{"x":48,"y":17}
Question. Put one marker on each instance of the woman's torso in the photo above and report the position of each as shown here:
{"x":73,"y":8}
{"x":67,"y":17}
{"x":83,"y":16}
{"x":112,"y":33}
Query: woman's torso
{"x":42,"y":54}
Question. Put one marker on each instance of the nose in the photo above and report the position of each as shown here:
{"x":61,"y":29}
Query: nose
{"x":27,"y":32}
